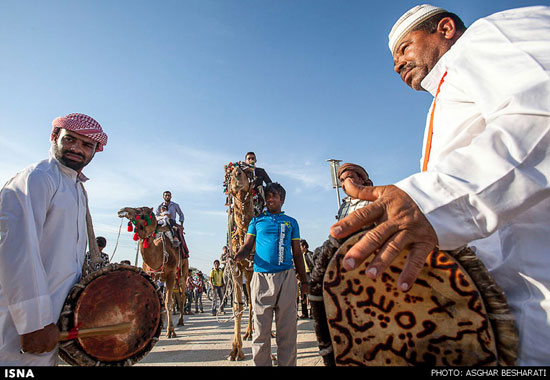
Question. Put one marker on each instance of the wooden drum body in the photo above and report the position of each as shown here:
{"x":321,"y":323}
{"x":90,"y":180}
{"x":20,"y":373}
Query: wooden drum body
{"x":454,"y":314}
{"x":112,"y":295}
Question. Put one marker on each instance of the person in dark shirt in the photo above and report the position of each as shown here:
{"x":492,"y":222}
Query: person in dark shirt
{"x":260,"y":178}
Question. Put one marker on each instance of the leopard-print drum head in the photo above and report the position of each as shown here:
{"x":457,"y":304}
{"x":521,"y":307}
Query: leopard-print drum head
{"x":454,"y":314}
{"x":115,"y":294}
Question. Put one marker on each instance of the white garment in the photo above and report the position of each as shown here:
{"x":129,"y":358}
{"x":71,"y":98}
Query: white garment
{"x":489,"y":167}
{"x":163,"y":219}
{"x":43,"y":239}
{"x":173,"y":210}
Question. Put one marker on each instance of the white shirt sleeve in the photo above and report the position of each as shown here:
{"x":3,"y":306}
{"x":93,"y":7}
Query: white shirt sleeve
{"x":24,"y":205}
{"x":504,"y":168}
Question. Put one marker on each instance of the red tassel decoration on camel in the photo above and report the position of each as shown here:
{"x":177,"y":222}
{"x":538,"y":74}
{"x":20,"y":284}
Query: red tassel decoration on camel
{"x":130,"y":227}
{"x":136,"y":237}
{"x":145,"y":243}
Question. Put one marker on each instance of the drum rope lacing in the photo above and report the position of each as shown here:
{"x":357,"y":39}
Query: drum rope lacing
{"x":71,"y":350}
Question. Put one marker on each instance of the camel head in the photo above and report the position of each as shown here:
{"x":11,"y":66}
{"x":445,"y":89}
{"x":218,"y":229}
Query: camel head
{"x":143,"y":219}
{"x":240,"y":179}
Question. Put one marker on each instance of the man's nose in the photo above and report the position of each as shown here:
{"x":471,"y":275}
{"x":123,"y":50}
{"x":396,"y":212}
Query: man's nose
{"x":398,"y":64}
{"x":77,"y":146}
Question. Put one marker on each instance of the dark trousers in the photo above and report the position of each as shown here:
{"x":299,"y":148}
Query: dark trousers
{"x":218,"y":294}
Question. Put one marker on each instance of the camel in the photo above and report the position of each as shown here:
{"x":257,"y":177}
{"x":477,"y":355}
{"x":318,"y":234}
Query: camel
{"x":160,"y":255}
{"x":239,"y":181}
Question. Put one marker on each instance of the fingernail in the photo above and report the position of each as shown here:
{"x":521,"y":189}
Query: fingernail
{"x":336,"y":230}
{"x":372,"y":272}
{"x":349,"y":263}
{"x":404,"y":286}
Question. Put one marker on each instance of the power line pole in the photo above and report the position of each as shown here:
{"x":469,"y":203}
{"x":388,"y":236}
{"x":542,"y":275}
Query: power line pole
{"x":334,"y":165}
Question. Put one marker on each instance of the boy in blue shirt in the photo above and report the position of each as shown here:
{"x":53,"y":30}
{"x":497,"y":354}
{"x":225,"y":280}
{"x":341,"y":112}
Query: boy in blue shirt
{"x":278,"y":257}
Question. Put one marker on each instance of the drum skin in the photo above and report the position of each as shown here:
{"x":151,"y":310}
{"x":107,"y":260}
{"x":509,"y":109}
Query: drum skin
{"x":113,"y":295}
{"x":441,"y":321}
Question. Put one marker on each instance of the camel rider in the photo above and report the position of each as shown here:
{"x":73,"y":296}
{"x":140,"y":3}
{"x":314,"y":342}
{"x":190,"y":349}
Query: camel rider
{"x":166,"y":214}
{"x":43,"y":239}
{"x":260,"y":177}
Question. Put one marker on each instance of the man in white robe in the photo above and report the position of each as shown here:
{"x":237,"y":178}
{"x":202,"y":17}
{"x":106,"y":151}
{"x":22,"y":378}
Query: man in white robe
{"x":43,"y":239}
{"x":486,"y":162}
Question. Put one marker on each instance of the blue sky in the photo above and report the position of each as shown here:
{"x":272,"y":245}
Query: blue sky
{"x":184,"y":87}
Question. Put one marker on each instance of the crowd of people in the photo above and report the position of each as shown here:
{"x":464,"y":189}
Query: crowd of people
{"x":483,"y":181}
{"x":215,"y":289}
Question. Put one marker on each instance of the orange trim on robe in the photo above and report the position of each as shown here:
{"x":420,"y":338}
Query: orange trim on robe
{"x":431,"y":127}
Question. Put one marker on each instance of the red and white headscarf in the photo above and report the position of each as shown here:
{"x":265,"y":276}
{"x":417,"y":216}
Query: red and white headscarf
{"x":81,"y":124}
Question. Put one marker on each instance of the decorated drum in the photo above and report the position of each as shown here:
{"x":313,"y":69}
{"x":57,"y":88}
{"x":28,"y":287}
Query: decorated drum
{"x":115,"y":294}
{"x":454,"y":315}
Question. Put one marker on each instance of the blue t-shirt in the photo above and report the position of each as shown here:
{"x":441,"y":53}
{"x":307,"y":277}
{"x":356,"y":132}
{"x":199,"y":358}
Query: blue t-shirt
{"x":274,"y":234}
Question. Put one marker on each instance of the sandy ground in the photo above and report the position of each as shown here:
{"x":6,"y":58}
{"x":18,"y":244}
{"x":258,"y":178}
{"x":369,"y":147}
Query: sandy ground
{"x":205,"y":340}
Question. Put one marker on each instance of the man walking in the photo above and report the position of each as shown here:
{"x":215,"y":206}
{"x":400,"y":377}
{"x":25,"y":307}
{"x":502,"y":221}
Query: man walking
{"x":198,"y":281}
{"x":216,"y":280}
{"x":308,"y":263}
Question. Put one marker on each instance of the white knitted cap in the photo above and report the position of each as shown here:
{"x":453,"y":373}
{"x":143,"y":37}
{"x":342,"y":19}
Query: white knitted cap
{"x":411,"y":19}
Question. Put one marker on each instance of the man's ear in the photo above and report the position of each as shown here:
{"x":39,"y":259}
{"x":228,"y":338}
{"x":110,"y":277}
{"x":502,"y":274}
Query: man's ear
{"x":447,"y":27}
{"x":55,"y":135}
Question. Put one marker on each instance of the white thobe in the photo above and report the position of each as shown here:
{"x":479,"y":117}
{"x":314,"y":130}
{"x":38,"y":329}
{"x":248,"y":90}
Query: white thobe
{"x":489,"y":167}
{"x":43,"y":239}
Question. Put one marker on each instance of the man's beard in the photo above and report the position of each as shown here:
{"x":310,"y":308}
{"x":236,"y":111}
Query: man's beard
{"x":75,"y":165}
{"x":417,"y":77}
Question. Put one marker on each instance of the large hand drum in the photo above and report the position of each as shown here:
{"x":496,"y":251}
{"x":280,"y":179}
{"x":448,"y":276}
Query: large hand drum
{"x":454,"y":315}
{"x":110,"y":296}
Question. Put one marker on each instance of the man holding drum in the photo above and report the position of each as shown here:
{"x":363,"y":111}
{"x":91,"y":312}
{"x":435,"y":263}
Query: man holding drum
{"x":43,"y":238}
{"x":486,"y":162}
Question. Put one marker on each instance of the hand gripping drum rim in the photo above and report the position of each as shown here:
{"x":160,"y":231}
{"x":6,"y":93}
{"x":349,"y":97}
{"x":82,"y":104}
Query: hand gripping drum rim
{"x":340,"y":299}
{"x":114,"y":294}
